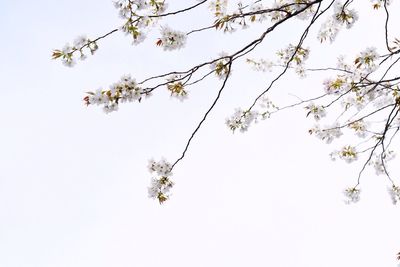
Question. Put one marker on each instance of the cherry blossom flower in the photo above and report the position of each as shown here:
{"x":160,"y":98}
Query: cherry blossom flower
{"x":316,"y":111}
{"x":394,"y":193}
{"x":352,"y":195}
{"x":241,"y":120}
{"x":171,"y":39}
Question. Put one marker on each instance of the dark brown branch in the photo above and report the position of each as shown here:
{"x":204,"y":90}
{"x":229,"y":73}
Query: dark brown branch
{"x":205,"y":115}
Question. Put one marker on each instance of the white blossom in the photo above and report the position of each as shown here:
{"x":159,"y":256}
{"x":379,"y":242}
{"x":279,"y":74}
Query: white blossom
{"x":126,"y":90}
{"x":177,"y":88}
{"x":352,"y":195}
{"x":161,"y":168}
{"x":328,"y":133}
{"x":343,"y":15}
{"x":366,"y":60}
{"x":297,"y":55}
{"x":221,"y":66}
{"x":394,"y":193}
{"x":219,"y":7}
{"x":241,"y":119}
{"x":379,"y":160}
{"x":328,"y":31}
{"x":80,"y":41}
{"x":98,"y":97}
{"x":160,"y":187}
{"x":360,"y":128}
{"x":316,"y":111}
{"x":171,"y":39}
{"x":261,"y":65}
{"x":336,"y":86}
{"x":348,"y":154}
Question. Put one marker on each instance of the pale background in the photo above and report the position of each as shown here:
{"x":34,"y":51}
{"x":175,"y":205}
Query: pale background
{"x":73,"y":180}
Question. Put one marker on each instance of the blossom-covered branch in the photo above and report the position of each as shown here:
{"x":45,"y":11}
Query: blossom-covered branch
{"x":360,"y":100}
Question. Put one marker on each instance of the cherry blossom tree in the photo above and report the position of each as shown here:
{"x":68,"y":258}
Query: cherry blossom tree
{"x":359,"y":98}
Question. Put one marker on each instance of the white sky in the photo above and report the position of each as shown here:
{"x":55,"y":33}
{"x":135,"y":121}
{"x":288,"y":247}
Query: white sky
{"x":73,"y":180}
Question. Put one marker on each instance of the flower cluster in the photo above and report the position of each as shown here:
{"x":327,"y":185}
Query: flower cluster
{"x":326,"y":134}
{"x":342,"y":15}
{"x":316,"y":111}
{"x":256,"y":11}
{"x":379,"y":160}
{"x":81,"y":45}
{"x":352,"y":195}
{"x":348,"y":154}
{"x":171,"y":39}
{"x":284,"y":7}
{"x":294,"y":54}
{"x":176,"y":87}
{"x":376,"y":4}
{"x":298,"y":5}
{"x":260,"y":65}
{"x":360,"y":128}
{"x":136,"y":29}
{"x":221,"y":66}
{"x":138,"y":8}
{"x":339,"y":85}
{"x":139,"y":15}
{"x":126,"y":90}
{"x":241,"y":120}
{"x":219,"y":8}
{"x":366,"y":60}
{"x":394,"y":193}
{"x":160,"y":187}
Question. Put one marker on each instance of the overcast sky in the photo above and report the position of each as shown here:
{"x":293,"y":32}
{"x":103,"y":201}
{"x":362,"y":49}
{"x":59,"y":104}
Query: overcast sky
{"x":73,"y":180}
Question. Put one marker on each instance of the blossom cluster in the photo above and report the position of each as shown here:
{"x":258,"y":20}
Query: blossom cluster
{"x":376,"y":4}
{"x":242,"y":119}
{"x":342,"y":15}
{"x":355,"y":92}
{"x":352,"y":195}
{"x":219,"y":8}
{"x":171,"y":39}
{"x":161,"y":185}
{"x":379,"y":161}
{"x":177,"y":87}
{"x":366,"y":61}
{"x":126,"y":90}
{"x":338,"y":85}
{"x":284,"y":7}
{"x":294,"y":55}
{"x":261,"y":65}
{"x":317,"y":111}
{"x":394,"y":193}
{"x":221,"y":66}
{"x":347,"y":153}
{"x":82,"y":44}
{"x":360,"y":127}
{"x":140,"y":15}
{"x":327,"y":133}
{"x":137,"y":8}
{"x":256,"y":11}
